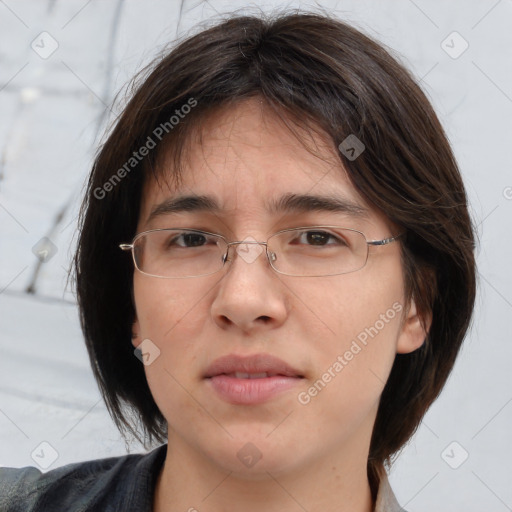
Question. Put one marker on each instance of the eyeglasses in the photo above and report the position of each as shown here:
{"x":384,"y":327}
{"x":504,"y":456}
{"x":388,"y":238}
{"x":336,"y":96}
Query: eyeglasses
{"x":312,"y":251}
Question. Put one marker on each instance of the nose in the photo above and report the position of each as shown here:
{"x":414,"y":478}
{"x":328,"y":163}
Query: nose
{"x":250,"y":296}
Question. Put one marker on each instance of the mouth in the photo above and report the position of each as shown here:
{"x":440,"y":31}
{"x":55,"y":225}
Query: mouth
{"x":245,"y":375}
{"x":256,"y":366}
{"x":250,"y":380}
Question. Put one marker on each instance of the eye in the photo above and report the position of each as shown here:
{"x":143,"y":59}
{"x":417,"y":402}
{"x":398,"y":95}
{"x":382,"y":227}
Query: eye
{"x":320,"y":238}
{"x":188,"y":239}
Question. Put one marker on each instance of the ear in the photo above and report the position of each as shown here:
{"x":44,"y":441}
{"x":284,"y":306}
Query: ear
{"x":414,"y":331}
{"x":136,"y":333}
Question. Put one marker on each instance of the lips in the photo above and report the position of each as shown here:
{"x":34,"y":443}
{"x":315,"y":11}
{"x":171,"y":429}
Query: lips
{"x":250,"y":380}
{"x":251,"y":367}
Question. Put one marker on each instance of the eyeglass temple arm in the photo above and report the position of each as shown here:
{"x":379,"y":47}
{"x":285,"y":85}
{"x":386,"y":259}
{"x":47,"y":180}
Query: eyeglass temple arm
{"x":386,"y":241}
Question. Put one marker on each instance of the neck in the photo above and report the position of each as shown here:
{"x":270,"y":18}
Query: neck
{"x":193,"y":482}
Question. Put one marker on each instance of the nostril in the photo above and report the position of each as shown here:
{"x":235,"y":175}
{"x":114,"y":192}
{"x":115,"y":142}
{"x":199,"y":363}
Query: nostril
{"x":225,"y":320}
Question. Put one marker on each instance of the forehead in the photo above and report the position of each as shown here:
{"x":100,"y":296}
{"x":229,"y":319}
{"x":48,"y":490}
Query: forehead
{"x":246,"y":159}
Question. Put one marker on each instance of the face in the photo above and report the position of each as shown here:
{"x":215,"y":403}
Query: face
{"x":336,"y":336}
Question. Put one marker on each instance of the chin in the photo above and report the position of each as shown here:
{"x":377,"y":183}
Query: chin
{"x":253,"y":457}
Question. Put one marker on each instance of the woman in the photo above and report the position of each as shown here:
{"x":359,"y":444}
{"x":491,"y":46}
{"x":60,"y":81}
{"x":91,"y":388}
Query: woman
{"x":301,"y":280}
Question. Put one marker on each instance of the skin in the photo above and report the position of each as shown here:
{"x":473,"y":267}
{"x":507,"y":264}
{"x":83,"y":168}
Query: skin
{"x":314,"y":456}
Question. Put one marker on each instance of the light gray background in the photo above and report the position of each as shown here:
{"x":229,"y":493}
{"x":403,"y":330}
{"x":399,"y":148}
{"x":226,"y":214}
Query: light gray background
{"x":53,"y":112}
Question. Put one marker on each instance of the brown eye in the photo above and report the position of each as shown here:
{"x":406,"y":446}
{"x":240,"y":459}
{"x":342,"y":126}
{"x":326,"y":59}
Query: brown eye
{"x":191,"y":240}
{"x":320,"y":238}
{"x":317,"y":237}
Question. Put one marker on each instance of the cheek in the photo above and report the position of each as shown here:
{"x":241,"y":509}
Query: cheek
{"x":356,"y":325}
{"x":171,"y":315}
{"x":346,"y":307}
{"x":352,"y":366}
{"x":169,"y":310}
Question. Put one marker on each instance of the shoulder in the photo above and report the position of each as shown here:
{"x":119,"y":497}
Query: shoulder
{"x":386,"y":500}
{"x":115,"y":483}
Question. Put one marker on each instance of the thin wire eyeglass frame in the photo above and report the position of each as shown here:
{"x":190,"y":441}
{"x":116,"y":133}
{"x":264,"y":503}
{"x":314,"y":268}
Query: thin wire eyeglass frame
{"x":270,"y":256}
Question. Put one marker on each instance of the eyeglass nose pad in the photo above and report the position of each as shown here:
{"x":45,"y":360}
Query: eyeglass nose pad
{"x":272,"y":256}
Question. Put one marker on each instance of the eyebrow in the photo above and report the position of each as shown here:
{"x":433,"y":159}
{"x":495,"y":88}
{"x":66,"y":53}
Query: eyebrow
{"x":303,"y":203}
{"x":190,"y":203}
{"x":288,"y":203}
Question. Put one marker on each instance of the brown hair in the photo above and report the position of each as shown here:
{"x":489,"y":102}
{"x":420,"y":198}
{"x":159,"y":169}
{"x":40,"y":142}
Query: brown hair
{"x":315,"y":71}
